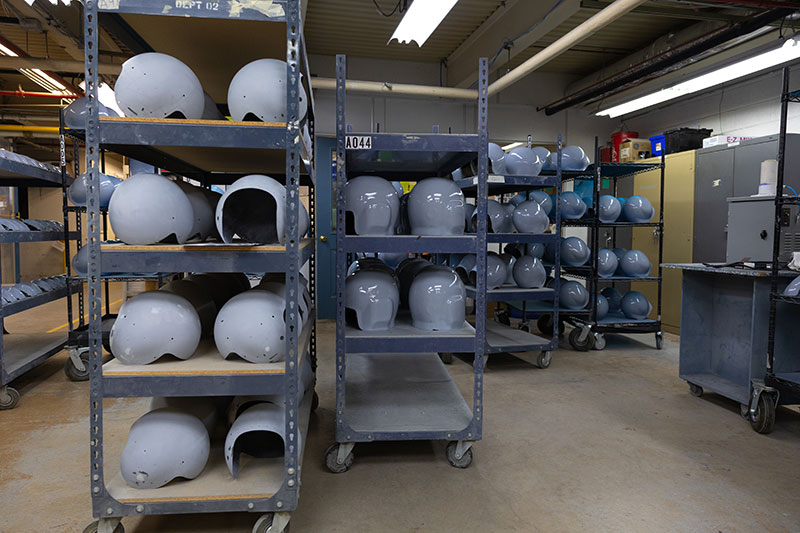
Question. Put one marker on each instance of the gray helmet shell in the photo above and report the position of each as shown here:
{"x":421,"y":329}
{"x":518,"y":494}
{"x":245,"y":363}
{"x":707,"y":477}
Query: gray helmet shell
{"x":572,"y":205}
{"x":406,"y":272}
{"x":436,"y":207}
{"x":210,"y":109}
{"x":573,"y":295}
{"x":374,"y":205}
{"x":279,"y":288}
{"x":544,"y":200}
{"x":497,"y":159}
{"x":437,"y":299}
{"x":574,"y":251}
{"x":254,"y":209}
{"x":77,"y":190}
{"x":75,"y":113}
{"x":469,"y":211}
{"x":509,"y":261}
{"x":374,"y":297}
{"x":153,"y":324}
{"x":535,"y":249}
{"x":529,"y":272}
{"x":163,"y":445}
{"x":573,"y":158}
{"x":530,"y":217}
{"x":148,"y":208}
{"x":203,"y":220}
{"x":158,"y":86}
{"x":523,"y":161}
{"x":465,"y":266}
{"x":206,"y":408}
{"x":614,"y":298}
{"x":635,"y":264}
{"x":635,"y":305}
{"x":259,"y":90}
{"x":251,"y":325}
{"x":499,"y":218}
{"x":638,"y":209}
{"x":609,"y":208}
{"x":602,"y":307}
{"x":199,"y":297}
{"x":793,"y":288}
{"x":495,"y":272}
{"x":260,"y":431}
{"x":607,"y":263}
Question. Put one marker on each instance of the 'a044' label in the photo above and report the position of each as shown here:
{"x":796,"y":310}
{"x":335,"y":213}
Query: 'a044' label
{"x":358,"y":142}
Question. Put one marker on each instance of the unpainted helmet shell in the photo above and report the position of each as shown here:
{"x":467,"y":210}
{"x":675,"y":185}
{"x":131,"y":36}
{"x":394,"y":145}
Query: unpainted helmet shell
{"x":78,"y":190}
{"x":635,"y":305}
{"x":156,"y":85}
{"x":572,"y":158}
{"x":75,"y":113}
{"x":529,"y":272}
{"x":574,"y":251}
{"x":499,"y":218}
{"x":572,"y":206}
{"x":793,"y":288}
{"x":523,"y":161}
{"x":153,"y":324}
{"x":607,"y":263}
{"x":373,"y":204}
{"x":203,"y":220}
{"x":254,"y":209}
{"x":509,"y":261}
{"x":465,"y":266}
{"x":437,"y":299}
{"x":609,"y":208}
{"x":573,"y":295}
{"x":544,"y":200}
{"x":163,"y":445}
{"x":602,"y":307}
{"x":638,"y":209}
{"x":374,"y":297}
{"x":206,"y":408}
{"x":530,"y":217}
{"x":201,"y":300}
{"x":635,"y":264}
{"x":279,"y":288}
{"x":496,"y":273}
{"x":148,"y":208}
{"x":251,"y":325}
{"x":614,"y":298}
{"x":210,"y":109}
{"x":469,"y":211}
{"x":29,"y":288}
{"x":535,"y":249}
{"x":497,"y":159}
{"x":406,"y":272}
{"x":517,"y":249}
{"x":259,"y":432}
{"x":259,"y":90}
{"x":436,"y":207}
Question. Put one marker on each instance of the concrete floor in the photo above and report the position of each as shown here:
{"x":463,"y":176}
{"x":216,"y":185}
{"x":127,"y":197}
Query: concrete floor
{"x":600,"y":441}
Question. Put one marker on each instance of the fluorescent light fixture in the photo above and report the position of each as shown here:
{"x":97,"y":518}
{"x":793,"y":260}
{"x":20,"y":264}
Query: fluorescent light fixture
{"x":54,"y":2}
{"x":36,"y":75}
{"x":421,"y":19}
{"x":513,"y":145}
{"x":789,"y":51}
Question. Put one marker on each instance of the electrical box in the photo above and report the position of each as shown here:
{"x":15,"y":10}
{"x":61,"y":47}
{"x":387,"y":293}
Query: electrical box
{"x":751,"y":224}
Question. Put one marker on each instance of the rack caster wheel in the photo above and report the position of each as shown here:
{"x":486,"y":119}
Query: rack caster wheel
{"x":744,"y":410}
{"x":94,"y":527}
{"x":268,"y":524}
{"x":580,"y":345}
{"x":458,"y":462}
{"x":332,"y":460}
{"x":545,"y":325}
{"x":9,"y":398}
{"x":502,"y":317}
{"x":695,"y":390}
{"x":446,"y":357}
{"x":543,"y":359}
{"x":659,"y":341}
{"x":525,"y":326}
{"x":599,"y":342}
{"x":763,"y":420}
{"x":314,"y":402}
{"x":73,"y":372}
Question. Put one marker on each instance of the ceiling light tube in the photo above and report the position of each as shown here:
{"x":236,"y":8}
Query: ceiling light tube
{"x":513,"y":145}
{"x":788,"y":52}
{"x":421,"y":19}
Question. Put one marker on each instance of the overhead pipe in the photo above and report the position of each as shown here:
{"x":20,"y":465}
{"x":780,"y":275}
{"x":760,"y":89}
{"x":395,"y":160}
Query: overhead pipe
{"x":644,"y":70}
{"x":28,"y":129}
{"x":579,"y":33}
{"x":24,"y":94}
{"x":377,"y":87}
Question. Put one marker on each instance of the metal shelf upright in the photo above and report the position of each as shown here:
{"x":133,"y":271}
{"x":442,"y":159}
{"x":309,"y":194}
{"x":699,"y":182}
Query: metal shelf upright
{"x":589,"y":331}
{"x":268,"y":486}
{"x":781,"y":384}
{"x":392,"y":385}
{"x":501,"y":337}
{"x":20,"y":352}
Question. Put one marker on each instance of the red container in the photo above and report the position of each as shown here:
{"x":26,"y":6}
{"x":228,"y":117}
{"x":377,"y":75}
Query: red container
{"x":605,"y":155}
{"x":619,"y":138}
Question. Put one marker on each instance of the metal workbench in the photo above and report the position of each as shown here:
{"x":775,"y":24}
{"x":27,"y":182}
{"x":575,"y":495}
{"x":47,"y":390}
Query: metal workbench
{"x":211,"y":152}
{"x":392,"y":385}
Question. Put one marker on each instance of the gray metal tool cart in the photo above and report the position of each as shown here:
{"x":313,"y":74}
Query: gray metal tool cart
{"x":212,"y":152}
{"x":392,"y":385}
{"x":20,"y":352}
{"x":501,"y":336}
{"x":589,"y":332}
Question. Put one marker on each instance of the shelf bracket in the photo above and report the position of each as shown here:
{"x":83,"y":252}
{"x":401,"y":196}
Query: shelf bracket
{"x":108,"y":525}
{"x":759,"y":388}
{"x":461,"y":448}
{"x":75,"y":357}
{"x":344,"y":450}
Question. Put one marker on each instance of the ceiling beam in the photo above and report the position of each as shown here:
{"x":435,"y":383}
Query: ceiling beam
{"x":674,"y":12}
{"x":509,"y":21}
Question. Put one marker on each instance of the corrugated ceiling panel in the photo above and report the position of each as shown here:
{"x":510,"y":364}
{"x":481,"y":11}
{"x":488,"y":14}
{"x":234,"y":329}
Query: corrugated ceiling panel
{"x":34,"y":43}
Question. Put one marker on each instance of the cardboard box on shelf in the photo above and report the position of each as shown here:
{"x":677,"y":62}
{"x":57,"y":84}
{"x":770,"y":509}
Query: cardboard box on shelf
{"x":634,"y":150}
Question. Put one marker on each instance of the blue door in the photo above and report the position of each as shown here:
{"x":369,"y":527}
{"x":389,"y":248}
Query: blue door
{"x":326,"y":228}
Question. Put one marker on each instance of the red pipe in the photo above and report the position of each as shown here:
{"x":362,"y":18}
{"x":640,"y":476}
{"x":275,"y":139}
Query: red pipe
{"x":23,"y":94}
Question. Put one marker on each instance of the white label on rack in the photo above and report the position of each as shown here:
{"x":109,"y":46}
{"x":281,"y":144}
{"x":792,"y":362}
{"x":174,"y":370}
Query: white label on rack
{"x":495,"y":179}
{"x":358,"y":142}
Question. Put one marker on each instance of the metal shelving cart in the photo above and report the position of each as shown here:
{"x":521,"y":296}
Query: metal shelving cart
{"x":22,"y":352}
{"x":501,"y":336}
{"x":392,"y":385}
{"x":781,"y":385}
{"x":212,"y":152}
{"x":589,"y":332}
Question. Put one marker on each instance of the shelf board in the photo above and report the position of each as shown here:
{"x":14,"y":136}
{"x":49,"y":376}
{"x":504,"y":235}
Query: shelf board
{"x":739,"y":392}
{"x":206,"y":373}
{"x":200,"y":257}
{"x":402,"y":395}
{"x":16,"y":172}
{"x":498,"y":184}
{"x":36,"y":236}
{"x":23,"y":351}
{"x":411,"y":243}
{"x":591,"y":222}
{"x":618,"y":319}
{"x":787,"y":299}
{"x":259,"y":479}
{"x":406,"y":338}
{"x":522,"y":237}
{"x":785,"y":380}
{"x":619,"y":170}
{"x":546,"y":307}
{"x":511,"y":292}
{"x":502,"y":338}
